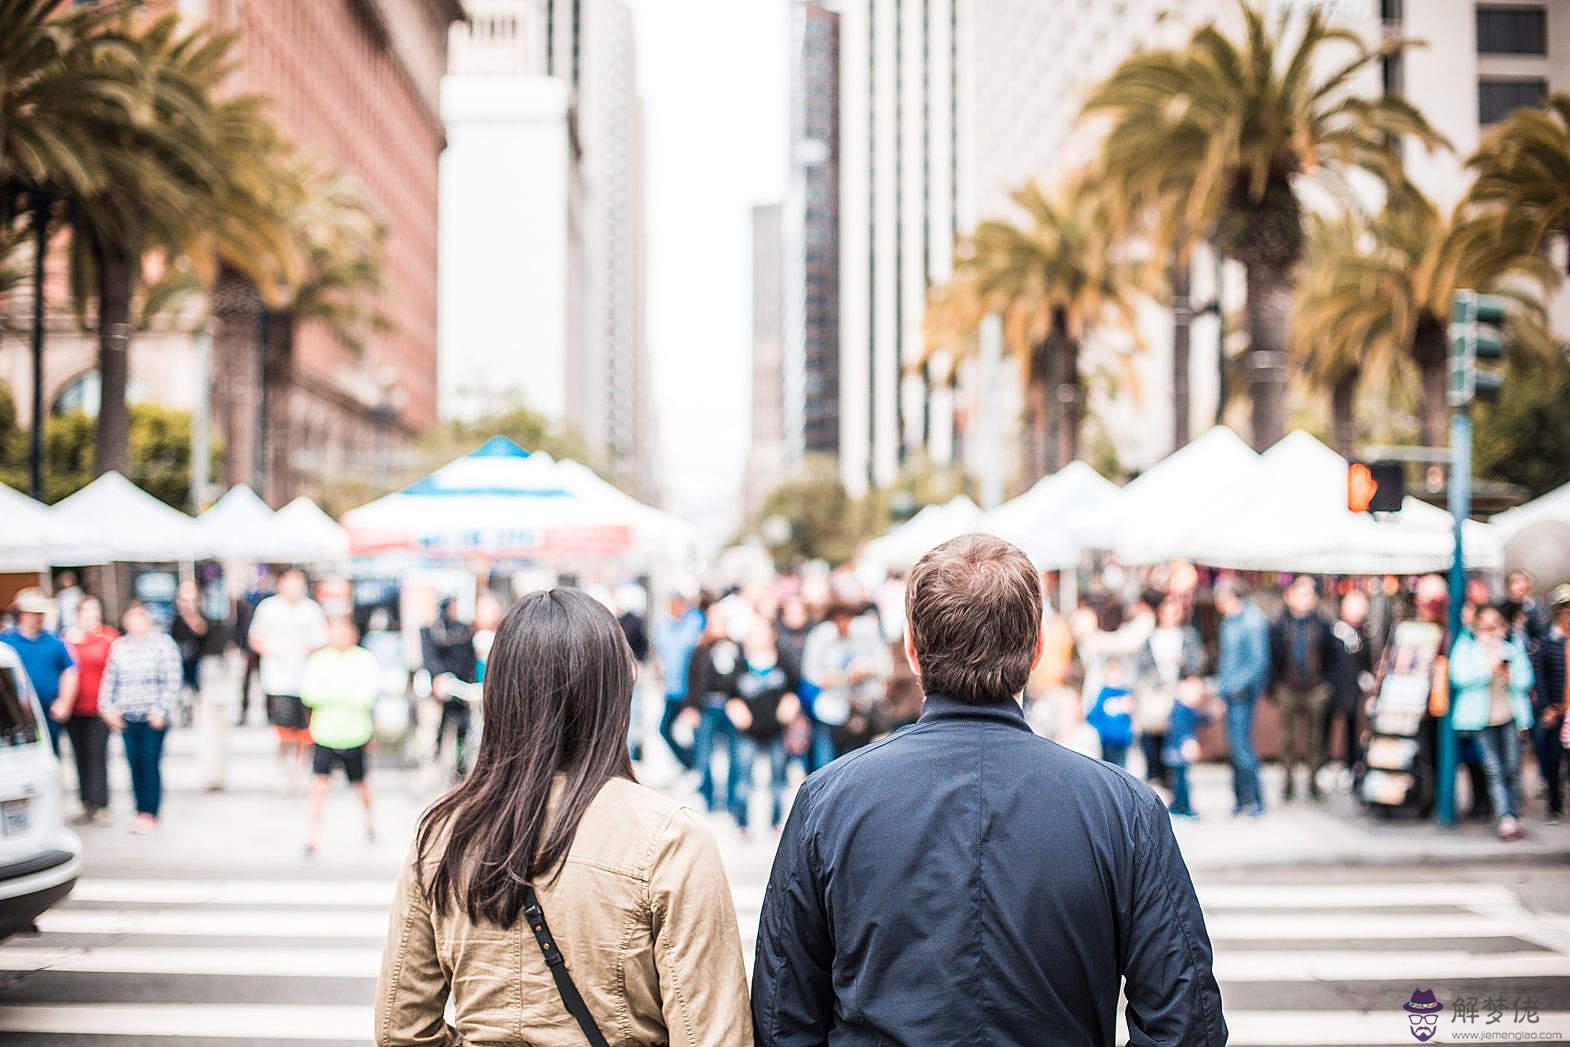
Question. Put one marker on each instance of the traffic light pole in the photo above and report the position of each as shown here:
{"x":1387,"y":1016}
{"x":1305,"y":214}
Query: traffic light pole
{"x":1460,"y":509}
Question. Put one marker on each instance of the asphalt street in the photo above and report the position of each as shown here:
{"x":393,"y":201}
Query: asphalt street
{"x":217,"y":930}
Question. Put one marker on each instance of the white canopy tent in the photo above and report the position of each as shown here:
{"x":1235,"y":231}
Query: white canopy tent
{"x":310,"y":528}
{"x":1142,"y":523}
{"x":31,"y":539}
{"x":1553,"y":506}
{"x":932,"y":526}
{"x":240,"y":526}
{"x":1293,"y":517}
{"x":501,"y":501}
{"x":129,"y":524}
{"x":1049,"y":521}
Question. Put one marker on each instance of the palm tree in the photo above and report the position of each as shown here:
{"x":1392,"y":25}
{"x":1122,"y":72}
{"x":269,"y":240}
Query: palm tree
{"x":1523,"y":174}
{"x":54,"y":91}
{"x":160,"y":180}
{"x":1214,"y":138}
{"x":1375,"y":295}
{"x":1053,"y":279}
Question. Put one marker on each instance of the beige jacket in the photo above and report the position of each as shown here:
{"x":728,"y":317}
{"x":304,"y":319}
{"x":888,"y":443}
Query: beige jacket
{"x":643,"y":915}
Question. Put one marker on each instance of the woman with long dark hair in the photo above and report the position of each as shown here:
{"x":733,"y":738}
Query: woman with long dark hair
{"x":551,"y":896}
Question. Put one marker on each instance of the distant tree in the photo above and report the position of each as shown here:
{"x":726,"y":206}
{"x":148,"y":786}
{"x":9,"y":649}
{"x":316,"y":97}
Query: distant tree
{"x":1524,"y":438}
{"x":826,"y":522}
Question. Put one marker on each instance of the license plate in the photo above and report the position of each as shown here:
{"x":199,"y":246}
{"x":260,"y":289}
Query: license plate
{"x":14,"y":817}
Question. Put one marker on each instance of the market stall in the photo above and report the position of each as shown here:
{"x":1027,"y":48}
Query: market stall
{"x":1050,"y":521}
{"x":319,"y":537}
{"x":33,"y":540}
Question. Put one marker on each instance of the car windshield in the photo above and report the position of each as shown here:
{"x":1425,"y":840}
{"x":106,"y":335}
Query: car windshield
{"x":18,"y":725}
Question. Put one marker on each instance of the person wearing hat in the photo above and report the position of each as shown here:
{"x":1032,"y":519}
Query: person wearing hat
{"x":45,"y":658}
{"x":1549,"y":699}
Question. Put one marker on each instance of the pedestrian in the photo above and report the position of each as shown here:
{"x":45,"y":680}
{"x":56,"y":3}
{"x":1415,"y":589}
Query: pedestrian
{"x":340,"y":686}
{"x":1351,"y":679}
{"x":1111,"y":714}
{"x":965,"y":881}
{"x":190,"y":631}
{"x":447,"y":648}
{"x":251,"y":669}
{"x":1550,"y":697}
{"x":90,"y":640}
{"x":45,"y":657}
{"x":762,"y":705}
{"x":711,"y":680}
{"x":1302,"y":656}
{"x":550,"y":837}
{"x":284,"y":631}
{"x":675,"y":638}
{"x":68,"y":599}
{"x":140,"y":688}
{"x":1173,"y":651}
{"x":849,"y":666}
{"x":1491,"y":681}
{"x":1181,"y":744}
{"x":1536,"y":620}
{"x":1242,"y":669}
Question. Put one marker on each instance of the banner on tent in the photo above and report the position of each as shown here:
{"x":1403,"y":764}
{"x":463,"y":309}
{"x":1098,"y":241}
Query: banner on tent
{"x":501,"y":543}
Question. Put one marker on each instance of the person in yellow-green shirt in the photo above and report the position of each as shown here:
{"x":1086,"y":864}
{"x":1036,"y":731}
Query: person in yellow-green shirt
{"x":339,"y":687}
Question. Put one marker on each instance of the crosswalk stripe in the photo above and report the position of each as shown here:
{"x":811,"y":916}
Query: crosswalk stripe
{"x":226,"y":962}
{"x":255,"y":923}
{"x":1351,"y":896}
{"x":1353,"y":966}
{"x":236,"y":892}
{"x":1334,"y":926}
{"x":185,"y":1020}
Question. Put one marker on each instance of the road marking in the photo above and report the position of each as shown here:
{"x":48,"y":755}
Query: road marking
{"x":171,"y":1021}
{"x":255,"y":963}
{"x":1353,"y":966}
{"x":377,"y":893}
{"x":253,"y":923}
{"x":1334,"y":926}
{"x":1352,"y":896}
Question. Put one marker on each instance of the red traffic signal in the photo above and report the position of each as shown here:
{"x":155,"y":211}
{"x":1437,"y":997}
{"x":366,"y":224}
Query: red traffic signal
{"x":1377,"y":487}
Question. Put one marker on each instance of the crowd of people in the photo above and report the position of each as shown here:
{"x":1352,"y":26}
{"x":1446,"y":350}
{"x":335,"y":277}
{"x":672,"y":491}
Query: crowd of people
{"x":1153,"y":674}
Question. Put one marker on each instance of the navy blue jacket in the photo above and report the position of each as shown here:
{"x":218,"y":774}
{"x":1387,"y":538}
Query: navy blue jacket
{"x":966,"y":882}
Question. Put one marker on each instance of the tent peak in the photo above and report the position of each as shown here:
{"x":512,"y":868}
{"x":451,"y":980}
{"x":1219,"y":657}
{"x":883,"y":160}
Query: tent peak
{"x":499,"y":447}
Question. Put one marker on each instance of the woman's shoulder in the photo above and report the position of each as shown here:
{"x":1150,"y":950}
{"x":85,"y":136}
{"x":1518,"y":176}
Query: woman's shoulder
{"x":629,"y":826}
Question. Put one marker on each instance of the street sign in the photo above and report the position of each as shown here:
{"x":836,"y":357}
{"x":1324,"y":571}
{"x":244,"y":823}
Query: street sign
{"x":1375,"y":487}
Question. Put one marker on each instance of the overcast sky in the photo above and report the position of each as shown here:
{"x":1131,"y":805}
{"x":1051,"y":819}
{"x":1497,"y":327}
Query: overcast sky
{"x":713,"y":74}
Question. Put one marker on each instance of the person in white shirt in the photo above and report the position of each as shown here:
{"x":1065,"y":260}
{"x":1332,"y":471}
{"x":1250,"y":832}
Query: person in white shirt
{"x":285,"y":630}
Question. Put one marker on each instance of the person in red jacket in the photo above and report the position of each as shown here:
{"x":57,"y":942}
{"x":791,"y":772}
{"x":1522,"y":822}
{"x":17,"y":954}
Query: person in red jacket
{"x":89,"y":641}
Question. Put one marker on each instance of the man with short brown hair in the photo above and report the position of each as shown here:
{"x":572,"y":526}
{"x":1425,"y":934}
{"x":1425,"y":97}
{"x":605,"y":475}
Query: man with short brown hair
{"x":964,"y":881}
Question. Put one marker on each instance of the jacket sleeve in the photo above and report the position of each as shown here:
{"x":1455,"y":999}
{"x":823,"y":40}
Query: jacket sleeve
{"x":792,"y":982}
{"x":1467,"y":667}
{"x":699,"y":671}
{"x":1173,"y":998}
{"x":412,"y":990}
{"x":697,"y":944}
{"x":1259,"y":654}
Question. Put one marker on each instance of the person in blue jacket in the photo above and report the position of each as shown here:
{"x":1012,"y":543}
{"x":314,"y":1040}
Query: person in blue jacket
{"x":1491,"y":686}
{"x":964,"y":881}
{"x":1242,"y":670}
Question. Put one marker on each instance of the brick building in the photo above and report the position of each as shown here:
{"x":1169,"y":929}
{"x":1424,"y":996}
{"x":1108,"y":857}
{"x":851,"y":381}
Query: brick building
{"x":354,"y":83}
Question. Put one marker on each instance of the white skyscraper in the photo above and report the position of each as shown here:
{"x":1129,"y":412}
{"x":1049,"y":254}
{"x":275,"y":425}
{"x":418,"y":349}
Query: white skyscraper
{"x":542,"y":225}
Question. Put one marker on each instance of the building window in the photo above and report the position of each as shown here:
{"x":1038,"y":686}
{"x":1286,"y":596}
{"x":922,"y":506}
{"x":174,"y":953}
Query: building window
{"x":1512,"y":30}
{"x":1497,"y":99}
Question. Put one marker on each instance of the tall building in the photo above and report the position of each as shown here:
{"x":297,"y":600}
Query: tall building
{"x":810,"y":237}
{"x":902,"y":164}
{"x":767,"y":458}
{"x":514,"y":294}
{"x":354,"y":83}
{"x":590,"y":45}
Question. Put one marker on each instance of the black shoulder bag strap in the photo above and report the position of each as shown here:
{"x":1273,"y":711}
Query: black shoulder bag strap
{"x":558,"y":967}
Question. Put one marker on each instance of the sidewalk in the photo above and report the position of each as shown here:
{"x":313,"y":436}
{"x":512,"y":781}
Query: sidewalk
{"x":1340,"y":831}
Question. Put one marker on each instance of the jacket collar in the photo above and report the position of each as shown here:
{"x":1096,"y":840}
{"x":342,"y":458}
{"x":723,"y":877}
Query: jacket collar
{"x":942,"y":707}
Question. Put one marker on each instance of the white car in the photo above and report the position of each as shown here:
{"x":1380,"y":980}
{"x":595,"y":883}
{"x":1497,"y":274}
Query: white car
{"x":40,"y":858}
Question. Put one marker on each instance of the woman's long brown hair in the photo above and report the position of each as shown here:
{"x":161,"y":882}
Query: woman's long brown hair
{"x":557,"y":700}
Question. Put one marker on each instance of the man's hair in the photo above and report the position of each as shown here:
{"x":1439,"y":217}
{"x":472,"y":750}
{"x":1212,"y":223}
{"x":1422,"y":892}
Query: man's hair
{"x":974,"y":608}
